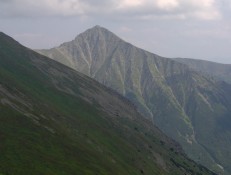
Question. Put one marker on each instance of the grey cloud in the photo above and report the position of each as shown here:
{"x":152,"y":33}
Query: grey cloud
{"x":113,"y":8}
{"x":134,"y":20}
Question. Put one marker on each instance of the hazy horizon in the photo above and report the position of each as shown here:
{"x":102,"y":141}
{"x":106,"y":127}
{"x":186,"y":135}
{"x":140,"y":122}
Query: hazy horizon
{"x":169,"y":28}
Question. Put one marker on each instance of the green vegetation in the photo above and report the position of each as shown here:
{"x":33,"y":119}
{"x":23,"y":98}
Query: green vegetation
{"x":190,"y":107}
{"x":56,"y":121}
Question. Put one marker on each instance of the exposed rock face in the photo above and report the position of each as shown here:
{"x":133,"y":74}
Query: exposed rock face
{"x":190,"y":107}
{"x":55,"y":120}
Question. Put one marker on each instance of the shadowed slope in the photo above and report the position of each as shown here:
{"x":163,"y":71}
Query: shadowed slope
{"x":54,"y":120}
{"x":179,"y":100}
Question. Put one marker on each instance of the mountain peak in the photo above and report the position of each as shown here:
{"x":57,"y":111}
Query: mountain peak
{"x":98,"y":32}
{"x":98,"y":27}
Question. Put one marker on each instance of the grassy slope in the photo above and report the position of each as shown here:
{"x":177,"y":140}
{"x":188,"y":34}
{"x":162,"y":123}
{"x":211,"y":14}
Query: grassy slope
{"x":56,"y":121}
{"x":180,"y":100}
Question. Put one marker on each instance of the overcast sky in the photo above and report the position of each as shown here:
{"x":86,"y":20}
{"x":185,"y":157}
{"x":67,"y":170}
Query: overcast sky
{"x":198,"y":29}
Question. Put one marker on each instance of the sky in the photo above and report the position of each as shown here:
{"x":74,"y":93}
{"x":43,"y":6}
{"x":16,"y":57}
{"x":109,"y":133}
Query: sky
{"x":199,"y":29}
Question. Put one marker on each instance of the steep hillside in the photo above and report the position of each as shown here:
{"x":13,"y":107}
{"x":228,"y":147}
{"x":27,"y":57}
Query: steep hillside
{"x":192,"y":108}
{"x":54,"y":120}
{"x":218,"y":70}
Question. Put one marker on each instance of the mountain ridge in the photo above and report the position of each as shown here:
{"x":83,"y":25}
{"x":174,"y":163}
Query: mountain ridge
{"x":177,"y":98}
{"x":55,"y":120}
{"x":218,"y":70}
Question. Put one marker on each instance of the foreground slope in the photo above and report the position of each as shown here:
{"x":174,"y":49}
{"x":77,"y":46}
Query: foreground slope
{"x":218,"y":70}
{"x":192,"y":108}
{"x":54,"y":120}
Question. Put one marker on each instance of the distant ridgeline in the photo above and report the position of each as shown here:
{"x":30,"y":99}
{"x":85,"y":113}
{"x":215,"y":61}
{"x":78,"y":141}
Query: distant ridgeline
{"x":56,"y":121}
{"x":189,"y":106}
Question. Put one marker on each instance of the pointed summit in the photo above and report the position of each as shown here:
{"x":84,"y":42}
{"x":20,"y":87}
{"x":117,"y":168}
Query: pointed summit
{"x":98,"y":28}
{"x":98,"y":33}
{"x":89,"y":50}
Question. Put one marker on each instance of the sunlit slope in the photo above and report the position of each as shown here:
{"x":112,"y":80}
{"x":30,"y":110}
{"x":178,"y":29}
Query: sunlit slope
{"x":54,"y":120}
{"x":190,"y":107}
